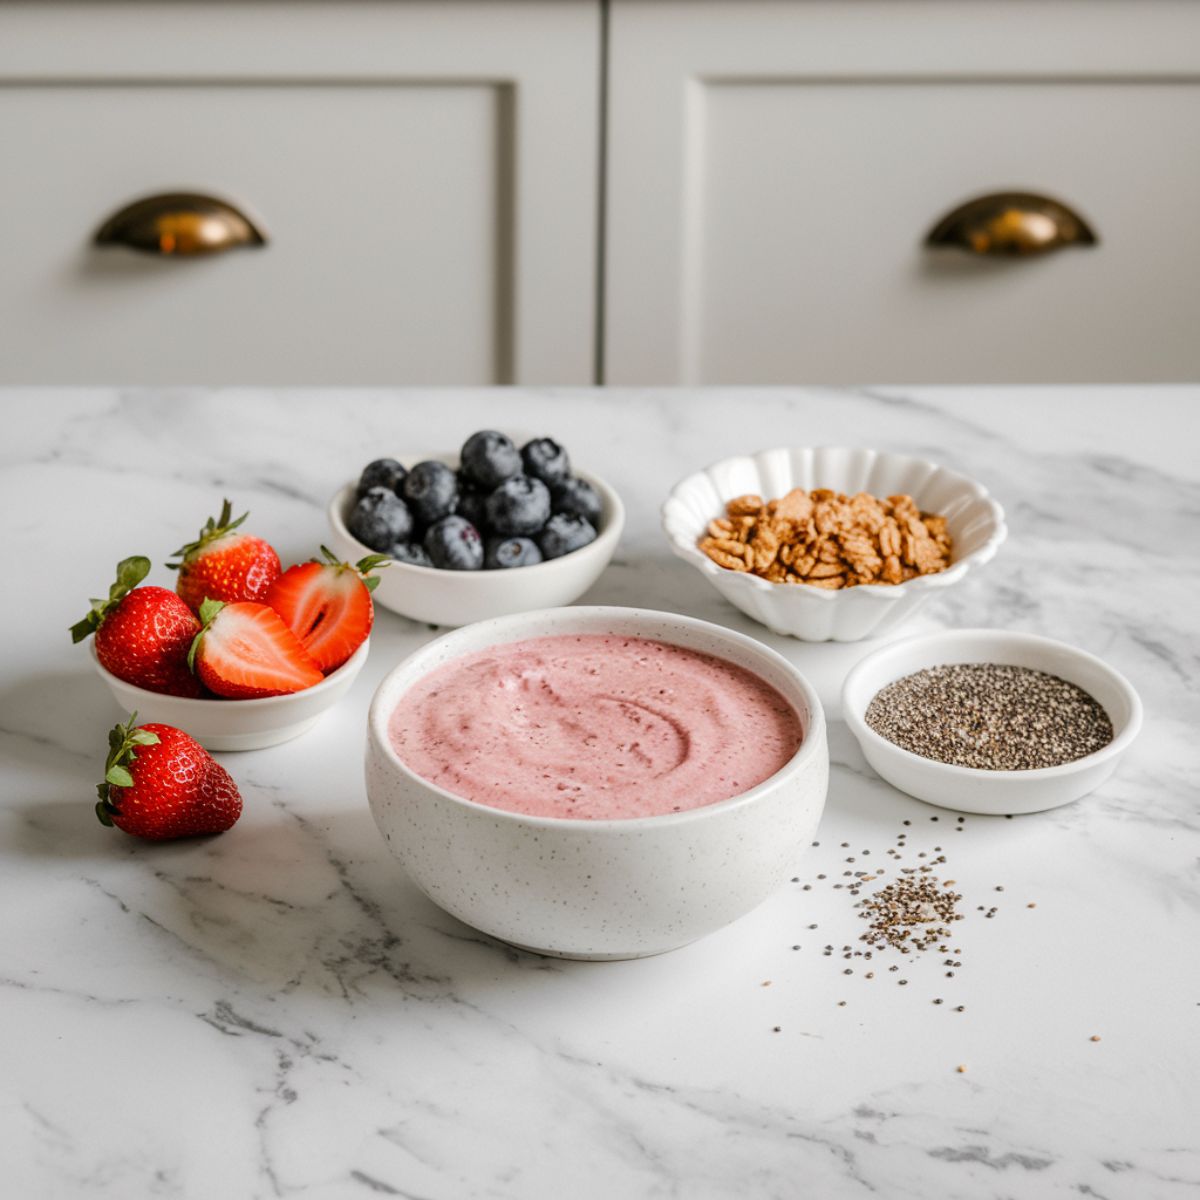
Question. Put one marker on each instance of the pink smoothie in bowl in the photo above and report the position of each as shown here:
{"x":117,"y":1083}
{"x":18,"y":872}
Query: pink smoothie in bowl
{"x":594,"y":727}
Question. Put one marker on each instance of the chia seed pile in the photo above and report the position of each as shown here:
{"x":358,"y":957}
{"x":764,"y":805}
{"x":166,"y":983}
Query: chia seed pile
{"x":915,"y":912}
{"x":990,"y":716}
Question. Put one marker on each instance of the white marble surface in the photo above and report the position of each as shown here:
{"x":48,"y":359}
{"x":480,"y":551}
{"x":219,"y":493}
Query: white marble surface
{"x":277,"y":1012}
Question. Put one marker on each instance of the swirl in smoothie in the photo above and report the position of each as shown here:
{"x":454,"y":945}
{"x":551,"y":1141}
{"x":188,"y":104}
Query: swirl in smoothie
{"x":595,"y":727}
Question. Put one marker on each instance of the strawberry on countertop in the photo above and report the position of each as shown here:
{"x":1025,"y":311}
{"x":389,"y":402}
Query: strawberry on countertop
{"x":143,"y":634}
{"x":327,"y":605}
{"x":159,"y":783}
{"x":224,"y":564}
{"x":244,"y":651}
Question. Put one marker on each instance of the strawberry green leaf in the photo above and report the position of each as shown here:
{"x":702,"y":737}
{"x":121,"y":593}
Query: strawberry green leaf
{"x":118,"y":777}
{"x":102,"y":813}
{"x":130,"y":572}
{"x":371,"y":582}
{"x":209,"y":609}
{"x":144,"y":737}
{"x":210,"y":532}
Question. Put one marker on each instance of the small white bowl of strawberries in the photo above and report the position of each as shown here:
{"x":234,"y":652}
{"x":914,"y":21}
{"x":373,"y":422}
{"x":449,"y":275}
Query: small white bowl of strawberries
{"x":243,"y":654}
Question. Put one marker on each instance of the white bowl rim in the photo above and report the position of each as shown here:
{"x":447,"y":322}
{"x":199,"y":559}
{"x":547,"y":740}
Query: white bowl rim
{"x":604,"y":541}
{"x":875,"y":592}
{"x":948,"y":637}
{"x":814,"y":734}
{"x":352,"y":664}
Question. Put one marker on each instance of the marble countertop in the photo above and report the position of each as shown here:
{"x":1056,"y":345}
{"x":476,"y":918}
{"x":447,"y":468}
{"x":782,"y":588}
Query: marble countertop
{"x":278,"y":1012}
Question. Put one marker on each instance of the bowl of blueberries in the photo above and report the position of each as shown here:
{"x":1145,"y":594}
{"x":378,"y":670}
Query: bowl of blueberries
{"x":497,"y":529}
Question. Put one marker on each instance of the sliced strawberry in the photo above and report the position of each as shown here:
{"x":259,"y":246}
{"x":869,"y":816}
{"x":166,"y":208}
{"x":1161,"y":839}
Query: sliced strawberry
{"x":245,"y":651}
{"x":327,"y":605}
{"x":223,"y":564}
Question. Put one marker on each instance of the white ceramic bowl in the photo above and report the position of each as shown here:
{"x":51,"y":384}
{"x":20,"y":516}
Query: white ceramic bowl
{"x":974,"y":519}
{"x":461,"y":597}
{"x":969,"y":789}
{"x":238,"y":724}
{"x":599,"y":889}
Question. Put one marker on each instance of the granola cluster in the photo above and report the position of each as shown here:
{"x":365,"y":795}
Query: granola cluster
{"x":828,"y":540}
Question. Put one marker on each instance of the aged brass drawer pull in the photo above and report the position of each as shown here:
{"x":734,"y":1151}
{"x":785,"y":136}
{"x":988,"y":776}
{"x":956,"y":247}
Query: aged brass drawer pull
{"x":1013,"y":224}
{"x":180,"y":223}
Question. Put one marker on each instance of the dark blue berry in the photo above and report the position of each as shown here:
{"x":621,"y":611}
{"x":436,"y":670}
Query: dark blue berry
{"x":410,"y":552}
{"x":454,"y":544}
{"x":488,"y":458}
{"x":511,"y":552}
{"x":519,"y":506}
{"x":380,"y":520}
{"x":383,"y":472}
{"x":471,"y":505}
{"x":431,"y":490}
{"x":546,"y":460}
{"x":577,"y":498}
{"x":563,"y":534}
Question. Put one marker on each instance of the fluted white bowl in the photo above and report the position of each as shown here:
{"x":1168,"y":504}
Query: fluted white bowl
{"x":975,"y":522}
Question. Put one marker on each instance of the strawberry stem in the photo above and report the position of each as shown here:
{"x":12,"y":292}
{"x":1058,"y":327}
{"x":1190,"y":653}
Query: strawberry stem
{"x":130,"y":572}
{"x":123,"y":741}
{"x":212,"y":529}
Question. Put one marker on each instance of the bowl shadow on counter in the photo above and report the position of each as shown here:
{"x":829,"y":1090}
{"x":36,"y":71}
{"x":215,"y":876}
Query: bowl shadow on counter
{"x":317,"y":905}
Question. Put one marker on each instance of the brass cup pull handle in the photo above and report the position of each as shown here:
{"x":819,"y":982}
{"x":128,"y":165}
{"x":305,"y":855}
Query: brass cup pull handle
{"x":182,"y":224}
{"x":1011,"y":224}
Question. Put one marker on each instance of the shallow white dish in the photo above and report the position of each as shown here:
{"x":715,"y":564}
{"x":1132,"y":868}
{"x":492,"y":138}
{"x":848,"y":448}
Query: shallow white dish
{"x":238,"y":724}
{"x":461,"y":597}
{"x":969,"y":789}
{"x":599,"y":889}
{"x":974,"y":519}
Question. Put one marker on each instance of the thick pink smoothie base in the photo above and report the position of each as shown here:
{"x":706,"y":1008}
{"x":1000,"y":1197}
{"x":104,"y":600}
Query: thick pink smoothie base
{"x":595,"y":727}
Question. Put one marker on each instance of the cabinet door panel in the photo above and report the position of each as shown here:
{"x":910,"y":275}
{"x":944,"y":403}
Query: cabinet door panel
{"x":766,"y":222}
{"x":427,"y":186}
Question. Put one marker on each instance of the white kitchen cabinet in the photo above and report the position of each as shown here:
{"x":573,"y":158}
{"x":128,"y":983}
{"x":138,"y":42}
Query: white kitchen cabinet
{"x":426,"y":175}
{"x":774,"y":167}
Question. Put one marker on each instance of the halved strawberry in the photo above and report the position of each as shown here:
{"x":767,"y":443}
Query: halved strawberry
{"x":327,"y":605}
{"x":244,"y":651}
{"x":222,"y":564}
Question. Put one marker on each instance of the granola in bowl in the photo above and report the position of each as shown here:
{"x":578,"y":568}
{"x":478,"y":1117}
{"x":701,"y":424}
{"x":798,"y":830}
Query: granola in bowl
{"x":828,"y":540}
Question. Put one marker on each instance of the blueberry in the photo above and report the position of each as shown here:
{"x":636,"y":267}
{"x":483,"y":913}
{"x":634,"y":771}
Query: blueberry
{"x":431,"y":490}
{"x":546,"y":460}
{"x":383,"y":472}
{"x":511,"y":552}
{"x":489,"y":458}
{"x":454,"y":544}
{"x":564,"y":533}
{"x":380,"y":519}
{"x":577,"y":498}
{"x":410,"y":552}
{"x":471,"y":505}
{"x":519,"y":506}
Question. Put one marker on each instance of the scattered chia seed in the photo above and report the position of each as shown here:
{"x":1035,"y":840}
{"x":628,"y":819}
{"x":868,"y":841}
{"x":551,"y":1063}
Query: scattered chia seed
{"x":990,"y":716}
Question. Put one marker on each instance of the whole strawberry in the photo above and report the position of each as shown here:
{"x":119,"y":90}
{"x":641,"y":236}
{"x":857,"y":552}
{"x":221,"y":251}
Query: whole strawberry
{"x":327,"y":605}
{"x":223,"y":564}
{"x":159,"y":783}
{"x":143,"y":634}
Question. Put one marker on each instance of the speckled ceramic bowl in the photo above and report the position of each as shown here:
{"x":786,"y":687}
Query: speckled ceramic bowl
{"x":599,"y":889}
